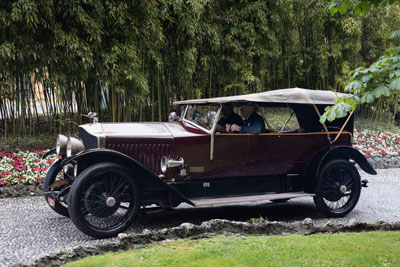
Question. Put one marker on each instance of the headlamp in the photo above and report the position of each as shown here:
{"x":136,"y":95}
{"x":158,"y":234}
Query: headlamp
{"x":61,"y":145}
{"x":170,"y":163}
{"x":74,"y":146}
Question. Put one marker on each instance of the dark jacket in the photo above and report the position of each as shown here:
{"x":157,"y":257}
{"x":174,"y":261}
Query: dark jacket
{"x":232,"y":119}
{"x":254,"y":124}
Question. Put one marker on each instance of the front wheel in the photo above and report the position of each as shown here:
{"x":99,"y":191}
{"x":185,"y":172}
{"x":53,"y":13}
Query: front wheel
{"x":52,"y":190}
{"x":338,"y":188}
{"x":104,"y":200}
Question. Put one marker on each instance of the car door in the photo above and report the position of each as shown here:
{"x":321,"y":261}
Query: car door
{"x":267,"y":155}
{"x":230,"y":155}
{"x":283,"y":153}
{"x":249,"y":155}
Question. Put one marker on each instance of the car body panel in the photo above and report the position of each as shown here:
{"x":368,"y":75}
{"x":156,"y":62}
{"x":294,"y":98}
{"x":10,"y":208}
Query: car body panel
{"x":235,"y":155}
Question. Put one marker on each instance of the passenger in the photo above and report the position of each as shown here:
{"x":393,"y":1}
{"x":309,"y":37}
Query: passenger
{"x":228,"y":118}
{"x":253,"y":122}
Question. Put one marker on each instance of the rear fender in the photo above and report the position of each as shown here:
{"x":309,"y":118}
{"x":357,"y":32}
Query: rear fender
{"x":146,"y":179}
{"x":347,"y":152}
{"x":338,"y":152}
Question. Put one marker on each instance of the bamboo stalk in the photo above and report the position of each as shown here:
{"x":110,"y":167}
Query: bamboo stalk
{"x":395,"y":109}
{"x":152,"y":99}
{"x":159,"y":97}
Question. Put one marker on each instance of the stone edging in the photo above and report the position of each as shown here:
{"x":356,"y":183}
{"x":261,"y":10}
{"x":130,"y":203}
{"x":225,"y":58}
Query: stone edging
{"x":208,"y":229}
{"x":385,"y":162}
{"x":21,"y":190}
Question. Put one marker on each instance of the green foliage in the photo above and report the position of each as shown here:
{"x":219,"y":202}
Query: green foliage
{"x":381,"y":79}
{"x":394,"y":34}
{"x":358,"y":7}
{"x":129,"y":60}
{"x":349,"y":249}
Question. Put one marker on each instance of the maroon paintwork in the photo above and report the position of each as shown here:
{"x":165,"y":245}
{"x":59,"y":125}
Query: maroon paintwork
{"x":235,"y":155}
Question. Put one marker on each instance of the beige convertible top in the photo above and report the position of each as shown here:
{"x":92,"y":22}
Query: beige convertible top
{"x":291,"y":96}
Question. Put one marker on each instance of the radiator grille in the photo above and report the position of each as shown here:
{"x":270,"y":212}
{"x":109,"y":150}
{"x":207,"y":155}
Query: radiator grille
{"x":89,"y":140}
{"x":147,"y":154}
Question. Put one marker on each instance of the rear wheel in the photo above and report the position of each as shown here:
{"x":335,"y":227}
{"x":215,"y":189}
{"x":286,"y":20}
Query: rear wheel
{"x":338,"y":188}
{"x":104,"y":200}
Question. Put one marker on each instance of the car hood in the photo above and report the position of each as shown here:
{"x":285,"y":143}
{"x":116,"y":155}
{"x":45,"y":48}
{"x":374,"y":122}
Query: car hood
{"x":94,"y":134}
{"x":149,"y":129}
{"x":135,"y":129}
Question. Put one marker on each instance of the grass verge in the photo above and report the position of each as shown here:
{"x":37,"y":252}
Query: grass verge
{"x":349,"y":249}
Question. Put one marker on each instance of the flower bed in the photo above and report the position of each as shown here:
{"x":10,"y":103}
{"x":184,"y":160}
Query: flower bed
{"x":376,"y":144}
{"x":23,"y":167}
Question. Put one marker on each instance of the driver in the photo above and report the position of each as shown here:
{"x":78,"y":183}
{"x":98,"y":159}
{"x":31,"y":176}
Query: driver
{"x":228,"y":118}
{"x":253,"y":122}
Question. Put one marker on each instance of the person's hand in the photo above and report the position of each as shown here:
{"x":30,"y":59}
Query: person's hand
{"x":235,"y":128}
{"x":228,"y":128}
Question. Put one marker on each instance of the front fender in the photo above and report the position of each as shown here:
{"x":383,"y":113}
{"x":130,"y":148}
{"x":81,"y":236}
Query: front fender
{"x":49,"y":153}
{"x":146,"y":179}
{"x":51,"y":174}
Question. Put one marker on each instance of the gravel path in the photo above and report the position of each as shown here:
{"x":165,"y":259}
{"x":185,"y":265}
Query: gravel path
{"x":29,"y":229}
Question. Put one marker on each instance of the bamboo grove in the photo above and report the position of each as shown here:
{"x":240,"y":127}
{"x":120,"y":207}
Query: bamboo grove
{"x":130,"y":60}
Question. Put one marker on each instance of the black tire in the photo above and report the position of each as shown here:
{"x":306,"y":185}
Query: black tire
{"x":89,"y":195}
{"x":338,"y":188}
{"x":51,"y":175}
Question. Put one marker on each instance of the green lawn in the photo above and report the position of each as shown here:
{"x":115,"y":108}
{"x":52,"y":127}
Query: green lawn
{"x":350,"y":249}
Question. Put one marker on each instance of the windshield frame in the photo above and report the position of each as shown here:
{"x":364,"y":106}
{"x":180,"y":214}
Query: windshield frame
{"x":210,"y":131}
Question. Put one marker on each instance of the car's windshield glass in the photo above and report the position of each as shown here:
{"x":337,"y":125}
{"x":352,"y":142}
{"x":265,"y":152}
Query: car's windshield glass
{"x":203,"y":116}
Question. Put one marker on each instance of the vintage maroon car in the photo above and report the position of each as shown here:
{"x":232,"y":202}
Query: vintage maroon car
{"x":116,"y":169}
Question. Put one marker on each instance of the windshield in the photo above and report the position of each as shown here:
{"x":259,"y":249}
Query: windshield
{"x":203,"y":116}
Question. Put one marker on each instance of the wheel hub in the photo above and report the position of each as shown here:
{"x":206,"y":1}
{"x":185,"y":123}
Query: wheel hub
{"x":100,"y":204}
{"x":343,"y":189}
{"x":110,"y":202}
{"x":336,"y":192}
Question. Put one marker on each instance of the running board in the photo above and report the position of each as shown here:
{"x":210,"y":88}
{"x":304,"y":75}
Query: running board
{"x":248,"y":198}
